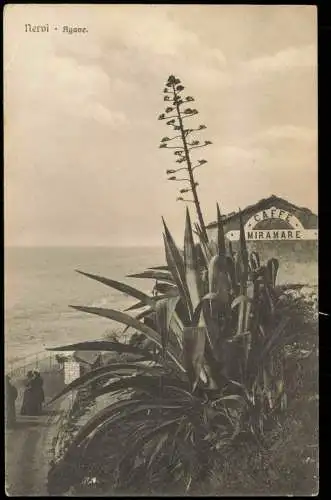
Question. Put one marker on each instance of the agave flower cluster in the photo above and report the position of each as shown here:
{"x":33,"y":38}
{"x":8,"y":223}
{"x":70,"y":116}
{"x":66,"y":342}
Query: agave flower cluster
{"x":214,"y":376}
{"x":184,"y":142}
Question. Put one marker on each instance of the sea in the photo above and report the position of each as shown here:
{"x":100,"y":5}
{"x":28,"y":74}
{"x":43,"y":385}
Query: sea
{"x":41,"y":283}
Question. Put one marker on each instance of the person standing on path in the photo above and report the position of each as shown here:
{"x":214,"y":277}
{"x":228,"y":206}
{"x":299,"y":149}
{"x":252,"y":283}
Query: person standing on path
{"x":28,"y":396}
{"x":39,"y":392}
{"x":11,"y":396}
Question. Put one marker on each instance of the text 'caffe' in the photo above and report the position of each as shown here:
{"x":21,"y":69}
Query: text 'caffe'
{"x":277,"y":228}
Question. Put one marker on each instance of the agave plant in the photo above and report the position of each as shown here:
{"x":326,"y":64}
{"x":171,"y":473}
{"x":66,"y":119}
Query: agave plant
{"x":210,"y":374}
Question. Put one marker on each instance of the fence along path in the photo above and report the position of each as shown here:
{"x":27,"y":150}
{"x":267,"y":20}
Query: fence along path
{"x":41,"y":360}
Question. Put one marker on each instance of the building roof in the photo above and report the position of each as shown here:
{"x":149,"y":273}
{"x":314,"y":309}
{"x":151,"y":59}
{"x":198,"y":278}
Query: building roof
{"x":261,"y":205}
{"x":87,"y":357}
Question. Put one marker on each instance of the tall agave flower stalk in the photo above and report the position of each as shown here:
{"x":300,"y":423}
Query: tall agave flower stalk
{"x":175,"y":116}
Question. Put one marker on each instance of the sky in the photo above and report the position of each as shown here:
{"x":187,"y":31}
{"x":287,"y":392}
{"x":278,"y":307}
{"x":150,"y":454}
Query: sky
{"x":82,"y":160}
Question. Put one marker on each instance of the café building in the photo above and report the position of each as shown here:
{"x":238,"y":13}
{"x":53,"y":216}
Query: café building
{"x":274,"y":227}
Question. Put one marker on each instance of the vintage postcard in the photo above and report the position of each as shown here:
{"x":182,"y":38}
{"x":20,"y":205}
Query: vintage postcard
{"x":161,"y":234}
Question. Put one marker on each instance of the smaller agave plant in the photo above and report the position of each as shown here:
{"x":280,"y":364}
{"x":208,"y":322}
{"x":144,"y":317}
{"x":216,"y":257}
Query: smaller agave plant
{"x":210,"y":375}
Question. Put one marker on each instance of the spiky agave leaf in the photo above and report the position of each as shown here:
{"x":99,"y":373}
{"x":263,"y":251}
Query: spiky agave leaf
{"x":204,"y":244}
{"x":142,"y":315}
{"x":202,"y":318}
{"x":243,"y":256}
{"x":159,"y":268}
{"x":202,"y":261}
{"x":247,"y":342}
{"x":275,"y":339}
{"x":198,"y":319}
{"x":207,"y":251}
{"x":231,"y":271}
{"x":151,"y":334}
{"x":122,"y":287}
{"x":159,"y":445}
{"x":155,"y":299}
{"x":142,"y":411}
{"x":148,"y":313}
{"x":197,"y":229}
{"x":145,"y":438}
{"x":73,"y":454}
{"x":272,"y":270}
{"x":194,"y":339}
{"x":137,"y":305}
{"x":177,"y":268}
{"x":115,"y":414}
{"x":220,"y":234}
{"x":192,"y":274}
{"x":143,"y":407}
{"x":213,"y":248}
{"x":244,"y":304}
{"x":104,"y":346}
{"x":164,"y":312}
{"x":99,"y":418}
{"x":177,"y":327}
{"x":166,"y":289}
{"x":269,"y":291}
{"x":218,"y":280}
{"x":111,"y":370}
{"x":201,"y":234}
{"x":217,"y":303}
{"x":182,"y":424}
{"x":153,"y":274}
{"x":255,"y":261}
{"x":175,"y":384}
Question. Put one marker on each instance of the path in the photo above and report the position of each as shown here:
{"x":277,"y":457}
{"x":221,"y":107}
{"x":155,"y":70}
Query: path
{"x":28,"y":445}
{"x":27,"y":454}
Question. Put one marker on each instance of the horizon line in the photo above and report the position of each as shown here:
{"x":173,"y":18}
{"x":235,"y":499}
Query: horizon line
{"x":84,"y":246}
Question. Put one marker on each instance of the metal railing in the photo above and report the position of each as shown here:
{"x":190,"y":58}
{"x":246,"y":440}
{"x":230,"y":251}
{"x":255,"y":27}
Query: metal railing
{"x":47,"y":359}
{"x":40,"y":360}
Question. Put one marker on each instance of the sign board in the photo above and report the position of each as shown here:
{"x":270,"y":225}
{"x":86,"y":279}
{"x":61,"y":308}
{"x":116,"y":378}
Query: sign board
{"x":295,"y":230}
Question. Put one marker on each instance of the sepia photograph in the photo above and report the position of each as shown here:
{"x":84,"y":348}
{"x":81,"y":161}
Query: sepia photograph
{"x":161,"y":250}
